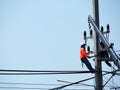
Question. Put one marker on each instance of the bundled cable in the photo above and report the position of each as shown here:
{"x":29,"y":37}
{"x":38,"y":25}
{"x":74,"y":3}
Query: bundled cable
{"x":37,"y":72}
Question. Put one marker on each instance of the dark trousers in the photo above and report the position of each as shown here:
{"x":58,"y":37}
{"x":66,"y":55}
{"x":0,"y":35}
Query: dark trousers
{"x":88,"y":65}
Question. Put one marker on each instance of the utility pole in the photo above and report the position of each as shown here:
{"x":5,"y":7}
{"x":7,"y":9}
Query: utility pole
{"x":98,"y":66}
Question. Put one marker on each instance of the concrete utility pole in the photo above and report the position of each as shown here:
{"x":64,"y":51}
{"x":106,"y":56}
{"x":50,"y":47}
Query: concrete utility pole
{"x":98,"y":66}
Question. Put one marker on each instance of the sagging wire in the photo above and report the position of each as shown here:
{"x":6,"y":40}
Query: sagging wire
{"x":37,"y":72}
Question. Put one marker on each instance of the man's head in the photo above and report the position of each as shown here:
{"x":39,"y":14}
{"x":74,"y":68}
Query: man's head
{"x":82,"y":44}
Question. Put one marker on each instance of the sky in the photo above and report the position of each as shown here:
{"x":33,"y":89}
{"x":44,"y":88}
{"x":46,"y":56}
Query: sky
{"x":46,"y":35}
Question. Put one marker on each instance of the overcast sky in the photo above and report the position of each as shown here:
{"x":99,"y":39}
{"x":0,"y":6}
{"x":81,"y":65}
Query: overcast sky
{"x":45,"y":35}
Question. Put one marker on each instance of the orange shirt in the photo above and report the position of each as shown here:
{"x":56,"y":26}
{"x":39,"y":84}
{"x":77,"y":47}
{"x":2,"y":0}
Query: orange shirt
{"x":83,"y":53}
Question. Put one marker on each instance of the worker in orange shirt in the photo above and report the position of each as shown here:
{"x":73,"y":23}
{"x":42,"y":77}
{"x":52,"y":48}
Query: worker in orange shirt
{"x":83,"y":57}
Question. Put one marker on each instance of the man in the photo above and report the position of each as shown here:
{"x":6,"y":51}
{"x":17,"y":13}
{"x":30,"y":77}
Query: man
{"x":83,"y":57}
{"x":104,"y":54}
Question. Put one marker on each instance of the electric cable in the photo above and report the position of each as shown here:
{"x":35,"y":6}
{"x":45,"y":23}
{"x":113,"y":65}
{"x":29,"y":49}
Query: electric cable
{"x":10,"y":70}
{"x":37,"y":88}
{"x":40,"y":72}
{"x":71,"y":84}
{"x":52,"y":73}
{"x":57,"y":71}
{"x":32,"y":84}
{"x":37,"y":72}
{"x":24,"y":88}
{"x":57,"y":88}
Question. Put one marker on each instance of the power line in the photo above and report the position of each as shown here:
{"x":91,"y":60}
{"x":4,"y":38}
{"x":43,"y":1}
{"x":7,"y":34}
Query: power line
{"x":71,"y":84}
{"x":36,"y":88}
{"x":24,"y":88}
{"x":41,"y":72}
{"x":32,"y":84}
{"x":38,"y":72}
{"x":11,"y":87}
{"x":58,"y":88}
{"x":8,"y":70}
{"x":40,"y":84}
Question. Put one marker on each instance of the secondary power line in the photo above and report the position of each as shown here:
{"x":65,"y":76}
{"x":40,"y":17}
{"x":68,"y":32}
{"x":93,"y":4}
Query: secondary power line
{"x":37,"y":88}
{"x":24,"y":88}
{"x":38,"y":72}
{"x":31,"y":84}
{"x":61,"y":87}
{"x":41,"y":72}
{"x":10,"y":70}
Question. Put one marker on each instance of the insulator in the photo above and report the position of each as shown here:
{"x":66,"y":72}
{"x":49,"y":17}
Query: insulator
{"x":111,"y":45}
{"x":102,"y":29}
{"x":84,"y":34}
{"x":88,"y":48}
{"x":89,"y":25}
{"x":108,"y":28}
{"x":91,"y":32}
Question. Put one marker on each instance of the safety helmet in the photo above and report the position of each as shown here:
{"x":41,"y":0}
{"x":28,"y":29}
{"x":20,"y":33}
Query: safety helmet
{"x":82,"y":44}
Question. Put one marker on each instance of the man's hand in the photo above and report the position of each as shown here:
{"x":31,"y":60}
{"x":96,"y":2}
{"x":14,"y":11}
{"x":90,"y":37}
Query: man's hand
{"x":91,"y":52}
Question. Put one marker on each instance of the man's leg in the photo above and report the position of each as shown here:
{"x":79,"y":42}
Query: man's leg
{"x":88,"y":65}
